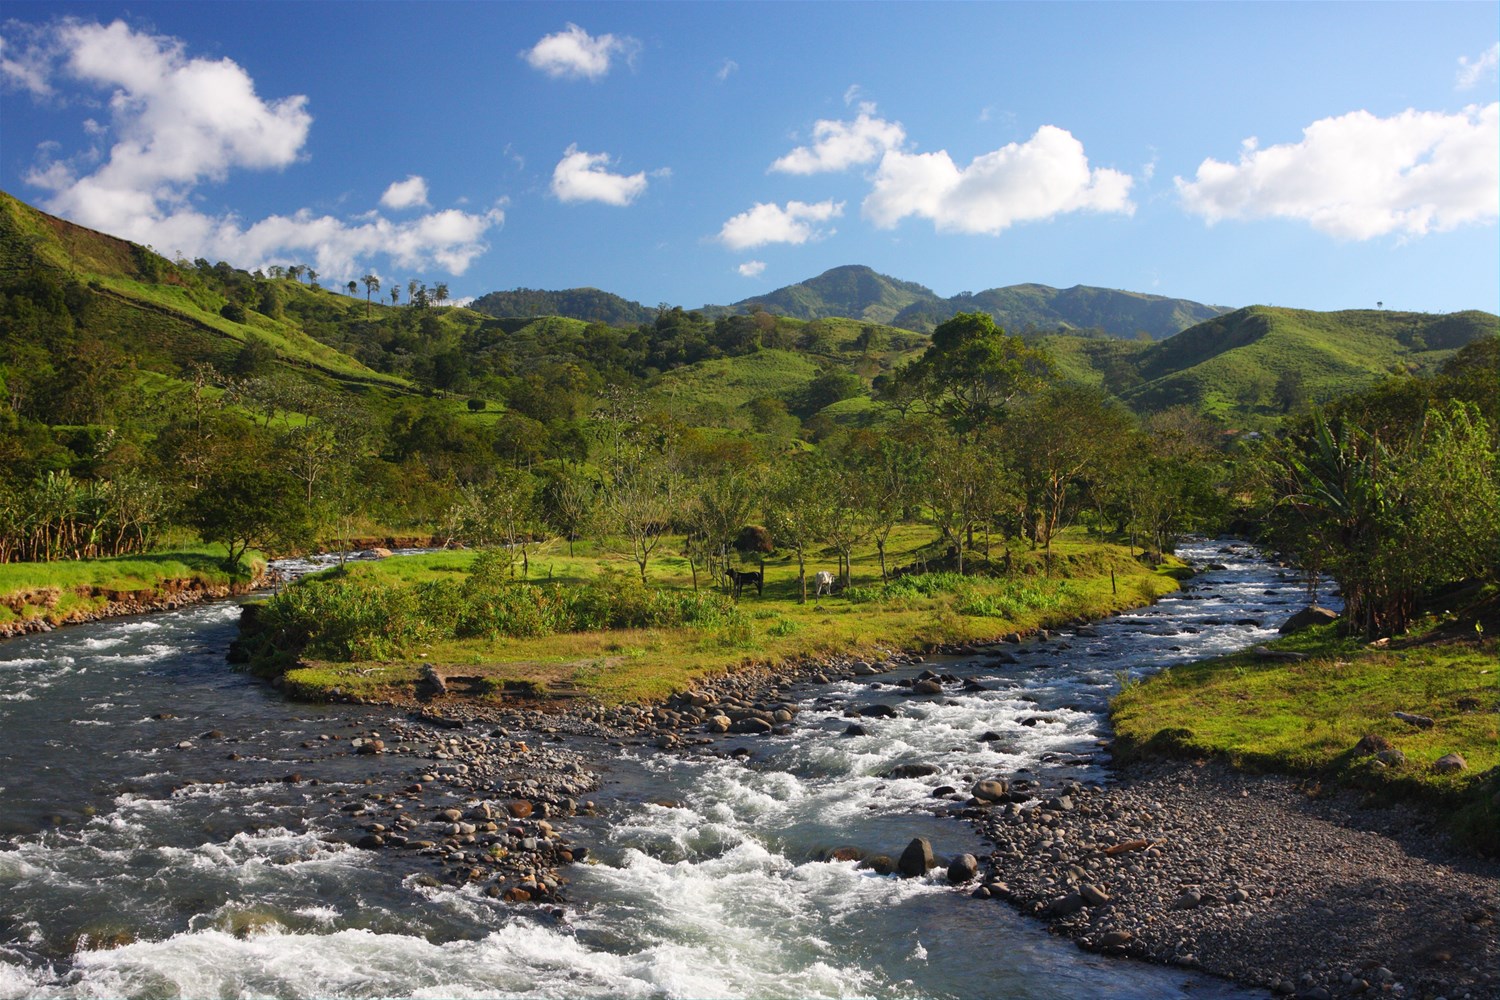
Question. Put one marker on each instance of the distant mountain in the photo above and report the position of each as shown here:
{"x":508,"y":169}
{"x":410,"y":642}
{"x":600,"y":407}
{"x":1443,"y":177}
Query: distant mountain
{"x":588,"y":304}
{"x":1034,"y":308}
{"x":858,"y":292}
{"x":849,"y":292}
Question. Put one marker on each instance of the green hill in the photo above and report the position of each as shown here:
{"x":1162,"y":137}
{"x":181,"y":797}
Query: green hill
{"x":852,"y":291}
{"x":1041,"y":308}
{"x":588,"y":304}
{"x":1241,"y":360}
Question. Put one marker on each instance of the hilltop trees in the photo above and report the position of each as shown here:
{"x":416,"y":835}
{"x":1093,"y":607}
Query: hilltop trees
{"x":972,"y":370}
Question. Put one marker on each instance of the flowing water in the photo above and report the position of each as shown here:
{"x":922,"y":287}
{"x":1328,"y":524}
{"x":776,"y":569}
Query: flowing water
{"x":150,"y":846}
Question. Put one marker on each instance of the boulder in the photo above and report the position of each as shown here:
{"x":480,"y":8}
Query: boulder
{"x":1450,"y":763}
{"x":962,"y":868}
{"x":927,"y":687}
{"x":912,"y":771}
{"x":1307,"y":618}
{"x":916,"y":859}
{"x":1420,"y":721}
{"x":993,"y":790}
{"x":1371,"y":744}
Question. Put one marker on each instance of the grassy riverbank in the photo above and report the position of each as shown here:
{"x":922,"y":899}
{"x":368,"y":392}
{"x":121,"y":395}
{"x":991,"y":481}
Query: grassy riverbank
{"x":72,"y":589}
{"x":1305,"y":717}
{"x":648,"y":661}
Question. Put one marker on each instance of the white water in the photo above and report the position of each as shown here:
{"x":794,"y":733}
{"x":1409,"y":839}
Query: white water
{"x":232,"y":890}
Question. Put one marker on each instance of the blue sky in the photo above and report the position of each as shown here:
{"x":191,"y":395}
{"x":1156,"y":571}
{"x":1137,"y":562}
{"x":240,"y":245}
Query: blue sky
{"x":1316,"y":155}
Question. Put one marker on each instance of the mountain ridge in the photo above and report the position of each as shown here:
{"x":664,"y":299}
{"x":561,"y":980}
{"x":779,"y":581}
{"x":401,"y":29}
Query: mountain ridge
{"x":856,"y":291}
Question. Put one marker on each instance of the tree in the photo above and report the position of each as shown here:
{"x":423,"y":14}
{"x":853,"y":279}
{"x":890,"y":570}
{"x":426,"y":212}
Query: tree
{"x":967,"y":485}
{"x":1388,"y":518}
{"x":1056,"y":439}
{"x":244,"y":506}
{"x":797,"y":512}
{"x":892,"y":474}
{"x":395,"y":294}
{"x":440,"y":293}
{"x":372,"y":284}
{"x":639,"y":500}
{"x":503,"y":512}
{"x":972,"y":370}
{"x":352,"y":287}
{"x":717,"y":509}
{"x":570,"y":502}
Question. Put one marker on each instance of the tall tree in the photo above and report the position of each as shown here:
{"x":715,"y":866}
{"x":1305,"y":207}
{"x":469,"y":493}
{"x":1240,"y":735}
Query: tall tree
{"x":972,"y":369}
{"x":372,"y":284}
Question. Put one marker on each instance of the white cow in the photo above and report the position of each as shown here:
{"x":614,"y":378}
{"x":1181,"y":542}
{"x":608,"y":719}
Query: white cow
{"x":824,"y":583}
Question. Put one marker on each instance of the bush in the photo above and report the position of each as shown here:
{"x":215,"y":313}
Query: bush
{"x":342,"y":618}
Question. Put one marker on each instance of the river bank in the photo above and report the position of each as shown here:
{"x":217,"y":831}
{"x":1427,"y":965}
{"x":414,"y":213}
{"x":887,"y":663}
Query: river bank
{"x":46,"y":608}
{"x":1256,"y":878}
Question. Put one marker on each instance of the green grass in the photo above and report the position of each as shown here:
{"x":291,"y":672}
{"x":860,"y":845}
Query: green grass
{"x":735,"y":381}
{"x":1305,"y":717}
{"x":644,"y":664}
{"x":54,"y":590}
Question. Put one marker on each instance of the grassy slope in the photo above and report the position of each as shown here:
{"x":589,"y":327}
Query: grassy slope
{"x":1217,"y":363}
{"x":153,"y":312}
{"x":651,"y":663}
{"x":735,"y":381}
{"x":52,"y":591}
{"x":1305,"y":717}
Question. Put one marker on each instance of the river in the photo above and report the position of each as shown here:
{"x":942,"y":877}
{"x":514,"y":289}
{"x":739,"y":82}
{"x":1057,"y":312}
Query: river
{"x":150,"y":845}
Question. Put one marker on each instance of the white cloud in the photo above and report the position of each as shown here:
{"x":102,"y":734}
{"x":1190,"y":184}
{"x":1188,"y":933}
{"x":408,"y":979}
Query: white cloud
{"x":1359,"y":176}
{"x":727,"y":70}
{"x":29,"y":66}
{"x":581,"y":176}
{"x":752,"y":268}
{"x":840,"y":145}
{"x":575,"y":54}
{"x":1022,"y":182}
{"x":405,"y":194}
{"x":853,"y":93}
{"x":770,"y":223}
{"x":178,"y":122}
{"x":1470,"y":73}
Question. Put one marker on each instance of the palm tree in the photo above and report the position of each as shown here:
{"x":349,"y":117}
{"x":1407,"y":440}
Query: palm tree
{"x":353,"y":287}
{"x":372,"y":284}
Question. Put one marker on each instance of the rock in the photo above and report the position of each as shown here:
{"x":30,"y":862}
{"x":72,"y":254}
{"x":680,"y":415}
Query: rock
{"x":1391,"y":757}
{"x":962,"y":868}
{"x":432,"y":682}
{"x":992,"y":790}
{"x":371,"y":747}
{"x":1420,"y":721}
{"x":1450,"y":764}
{"x":1371,"y":744}
{"x":1187,"y":900}
{"x":1093,"y":895}
{"x":719,"y":724}
{"x":1115,"y":939}
{"x":379,"y":552}
{"x":916,"y":859}
{"x":877,"y":711}
{"x":1263,"y":653}
{"x":1307,"y":618}
{"x":1064,"y":906}
{"x":927,"y":687}
{"x":751,"y":724}
{"x":912,"y":771}
{"x":880,"y":864}
{"x":855,"y":729}
{"x":846,"y":854}
{"x":451,"y":815}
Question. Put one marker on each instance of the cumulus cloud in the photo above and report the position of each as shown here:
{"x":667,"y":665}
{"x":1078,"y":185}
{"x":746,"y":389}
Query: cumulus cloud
{"x":405,"y":194}
{"x":771,"y":223}
{"x":574,"y":54}
{"x":1470,"y":73}
{"x":1022,"y":182}
{"x":839,"y":145}
{"x":752,"y":268}
{"x":177,"y":122}
{"x":1359,"y":176}
{"x":727,"y":70}
{"x":581,"y":176}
